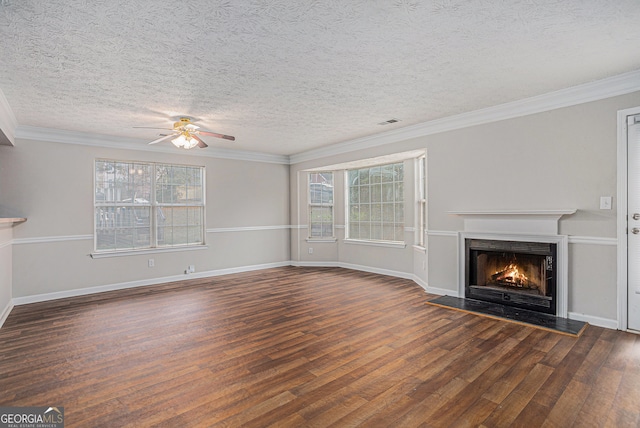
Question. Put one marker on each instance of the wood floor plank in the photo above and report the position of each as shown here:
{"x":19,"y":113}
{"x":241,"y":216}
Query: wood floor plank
{"x":307,"y":347}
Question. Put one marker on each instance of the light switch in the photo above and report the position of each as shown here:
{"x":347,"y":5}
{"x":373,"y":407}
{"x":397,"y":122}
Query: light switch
{"x":605,"y":202}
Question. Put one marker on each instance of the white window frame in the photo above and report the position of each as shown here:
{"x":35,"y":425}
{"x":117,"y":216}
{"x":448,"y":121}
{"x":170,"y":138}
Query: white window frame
{"x":154,"y":207}
{"x":421,"y":201}
{"x":325,"y":205}
{"x":381,"y":223}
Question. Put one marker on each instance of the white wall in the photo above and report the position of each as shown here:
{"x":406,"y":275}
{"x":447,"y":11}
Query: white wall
{"x":6,"y":235}
{"x":559,"y":159}
{"x":247,"y":218}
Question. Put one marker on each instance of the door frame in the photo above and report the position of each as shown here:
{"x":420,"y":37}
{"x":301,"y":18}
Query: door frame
{"x":622,"y":216}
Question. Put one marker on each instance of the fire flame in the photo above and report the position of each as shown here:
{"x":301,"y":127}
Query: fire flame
{"x":512,"y":275}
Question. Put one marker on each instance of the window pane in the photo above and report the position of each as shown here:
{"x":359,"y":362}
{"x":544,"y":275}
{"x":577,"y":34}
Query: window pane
{"x":363,"y":175}
{"x":387,"y":192}
{"x":125,"y":205}
{"x":180,"y":225}
{"x":365,"y":212}
{"x":321,"y":188}
{"x":354,"y":195}
{"x":364,"y":194}
{"x":376,"y":191}
{"x":376,"y":206}
{"x":353,"y":178}
{"x":388,"y":232}
{"x":375,"y":175}
{"x":376,"y":213}
{"x":321,"y":222}
{"x":388,"y":213}
{"x":320,"y":204}
{"x":387,"y":173}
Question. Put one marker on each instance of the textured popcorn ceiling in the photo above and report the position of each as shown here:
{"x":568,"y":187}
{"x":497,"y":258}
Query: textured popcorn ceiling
{"x":287,"y":76}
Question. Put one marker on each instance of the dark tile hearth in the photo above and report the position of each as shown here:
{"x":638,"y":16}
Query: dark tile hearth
{"x":522,"y":316}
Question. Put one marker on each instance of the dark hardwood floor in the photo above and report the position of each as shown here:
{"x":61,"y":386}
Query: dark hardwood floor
{"x":307,"y":347}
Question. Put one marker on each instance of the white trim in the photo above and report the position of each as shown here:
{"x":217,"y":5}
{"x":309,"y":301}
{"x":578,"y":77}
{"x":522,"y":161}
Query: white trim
{"x":529,"y":222}
{"x":375,"y":243}
{"x":448,"y":233}
{"x":6,"y":244}
{"x":322,"y":240}
{"x":601,"y":322}
{"x":434,"y":290}
{"x":8,"y":122}
{"x":157,"y":250}
{"x":593,"y":240}
{"x":141,"y":283}
{"x":606,"y":88}
{"x":98,"y":140}
{"x":248,"y":228}
{"x":300,"y":263}
{"x":597,"y":321}
{"x":443,"y":291}
{"x":622,"y":298}
{"x":362,"y":268}
{"x":47,"y":239}
{"x":419,"y":249}
{"x":5,"y":313}
{"x":573,"y":239}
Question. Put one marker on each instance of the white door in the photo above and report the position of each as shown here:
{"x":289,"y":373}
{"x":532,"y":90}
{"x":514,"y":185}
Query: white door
{"x":633,"y":221}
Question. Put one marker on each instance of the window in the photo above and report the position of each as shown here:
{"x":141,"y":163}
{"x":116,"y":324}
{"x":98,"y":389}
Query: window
{"x":421,"y":184}
{"x":376,"y":203}
{"x":142,"y":205}
{"x":320,"y":205}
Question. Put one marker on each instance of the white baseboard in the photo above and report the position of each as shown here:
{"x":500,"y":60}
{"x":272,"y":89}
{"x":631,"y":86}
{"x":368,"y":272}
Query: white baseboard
{"x":593,"y":320}
{"x":362,"y":268}
{"x":141,"y":283}
{"x":597,"y":321}
{"x":5,"y":313}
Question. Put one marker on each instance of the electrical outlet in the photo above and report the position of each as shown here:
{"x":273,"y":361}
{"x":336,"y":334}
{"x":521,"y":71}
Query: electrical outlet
{"x":310,"y":250}
{"x":152,"y":263}
{"x":192,"y":268}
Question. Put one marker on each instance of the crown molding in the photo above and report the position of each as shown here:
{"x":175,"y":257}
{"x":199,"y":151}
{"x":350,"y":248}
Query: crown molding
{"x":109,"y":141}
{"x":8,"y":122}
{"x":601,"y":89}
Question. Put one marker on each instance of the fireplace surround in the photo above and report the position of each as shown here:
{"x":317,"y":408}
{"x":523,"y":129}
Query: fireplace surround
{"x":515,"y":258}
{"x":513,"y":273}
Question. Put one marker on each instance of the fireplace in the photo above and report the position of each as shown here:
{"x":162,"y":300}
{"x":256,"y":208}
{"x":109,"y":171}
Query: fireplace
{"x":493,"y":241}
{"x":522,"y":274}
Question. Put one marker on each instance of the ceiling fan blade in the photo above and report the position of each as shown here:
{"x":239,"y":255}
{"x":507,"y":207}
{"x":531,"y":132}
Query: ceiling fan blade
{"x":215,"y":134}
{"x":153,"y":127}
{"x":162,"y":138}
{"x":201,"y":143}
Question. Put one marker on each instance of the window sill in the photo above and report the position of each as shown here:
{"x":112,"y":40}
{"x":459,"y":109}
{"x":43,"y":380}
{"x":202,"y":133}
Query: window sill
{"x":104,"y":255}
{"x":321,"y":239}
{"x":420,"y":249}
{"x":376,"y":243}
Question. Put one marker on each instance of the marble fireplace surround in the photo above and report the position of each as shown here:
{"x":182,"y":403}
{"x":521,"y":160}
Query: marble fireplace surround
{"x":525,"y":226}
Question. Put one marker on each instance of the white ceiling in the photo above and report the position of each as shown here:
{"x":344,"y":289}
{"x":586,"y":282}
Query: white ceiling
{"x":285,"y":76}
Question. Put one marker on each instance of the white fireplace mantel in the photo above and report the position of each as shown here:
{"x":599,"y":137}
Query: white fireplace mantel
{"x":519,"y":225}
{"x":534,"y":222}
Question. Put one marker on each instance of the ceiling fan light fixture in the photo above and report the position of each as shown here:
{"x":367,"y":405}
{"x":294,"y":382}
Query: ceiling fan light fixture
{"x":185,"y":141}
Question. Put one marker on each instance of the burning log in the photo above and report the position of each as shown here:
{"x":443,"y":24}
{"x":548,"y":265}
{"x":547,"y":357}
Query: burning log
{"x":510,"y":276}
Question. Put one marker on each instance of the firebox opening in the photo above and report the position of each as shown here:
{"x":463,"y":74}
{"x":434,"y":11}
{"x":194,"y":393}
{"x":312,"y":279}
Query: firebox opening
{"x":513,"y":273}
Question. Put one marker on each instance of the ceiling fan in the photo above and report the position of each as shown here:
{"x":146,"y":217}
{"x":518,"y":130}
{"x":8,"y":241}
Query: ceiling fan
{"x":186,"y":134}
